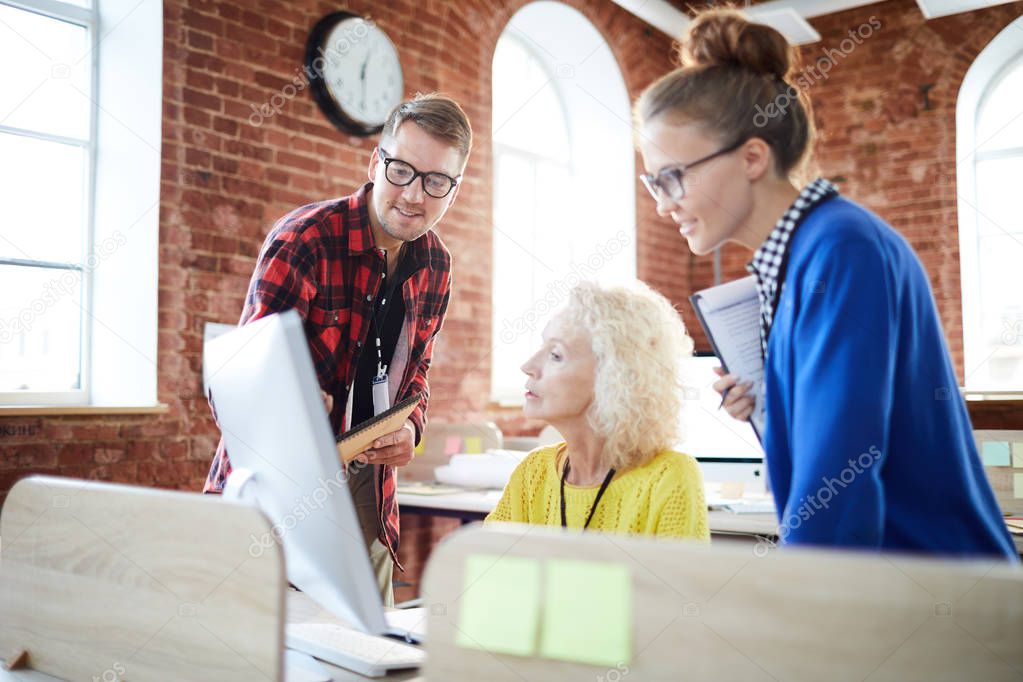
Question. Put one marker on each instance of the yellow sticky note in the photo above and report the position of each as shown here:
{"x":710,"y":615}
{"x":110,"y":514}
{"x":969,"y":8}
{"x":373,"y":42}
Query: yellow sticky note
{"x":473,"y":445}
{"x":1017,"y":455}
{"x":588,"y":612}
{"x":500,"y":610}
{"x":419,"y":448}
{"x":1017,"y":486}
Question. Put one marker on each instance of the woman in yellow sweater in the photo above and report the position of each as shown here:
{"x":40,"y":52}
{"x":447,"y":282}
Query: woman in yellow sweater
{"x":606,"y":377}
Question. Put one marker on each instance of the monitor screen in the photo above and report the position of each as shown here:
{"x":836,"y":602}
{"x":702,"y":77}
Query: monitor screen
{"x":709,"y":434}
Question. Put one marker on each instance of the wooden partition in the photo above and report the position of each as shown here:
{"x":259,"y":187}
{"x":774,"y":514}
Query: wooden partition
{"x":700,"y":612}
{"x":110,"y":582}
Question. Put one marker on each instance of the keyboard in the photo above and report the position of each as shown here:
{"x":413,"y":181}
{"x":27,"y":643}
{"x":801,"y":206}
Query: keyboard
{"x":353,"y":650}
{"x":750,"y":507}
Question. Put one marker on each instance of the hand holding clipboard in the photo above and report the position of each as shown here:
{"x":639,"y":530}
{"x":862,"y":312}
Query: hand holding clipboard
{"x":730,"y":314}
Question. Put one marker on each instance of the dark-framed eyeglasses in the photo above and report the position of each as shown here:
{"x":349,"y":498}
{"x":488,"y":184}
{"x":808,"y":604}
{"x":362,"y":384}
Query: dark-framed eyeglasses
{"x":669,"y":181}
{"x":402,"y":174}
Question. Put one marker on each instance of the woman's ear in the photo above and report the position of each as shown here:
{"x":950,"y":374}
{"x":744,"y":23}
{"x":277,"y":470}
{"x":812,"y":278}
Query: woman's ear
{"x":757,"y":158}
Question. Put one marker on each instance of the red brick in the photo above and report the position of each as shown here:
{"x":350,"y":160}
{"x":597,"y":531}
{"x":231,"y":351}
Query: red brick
{"x":202,"y":100}
{"x":225,"y":125}
{"x":28,"y":456}
{"x":108,"y":455}
{"x":74,"y":455}
{"x":200,"y":41}
{"x":297,"y":161}
{"x":174,"y":450}
{"x":199,"y":80}
{"x":203,"y":22}
{"x":94,"y":430}
{"x":229,"y":12}
{"x":151,"y":429}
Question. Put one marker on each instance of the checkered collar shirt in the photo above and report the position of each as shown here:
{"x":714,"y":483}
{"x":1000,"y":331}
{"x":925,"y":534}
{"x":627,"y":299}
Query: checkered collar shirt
{"x":768,"y":264}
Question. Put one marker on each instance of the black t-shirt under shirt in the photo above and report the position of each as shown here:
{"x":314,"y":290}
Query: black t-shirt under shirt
{"x":387,"y":322}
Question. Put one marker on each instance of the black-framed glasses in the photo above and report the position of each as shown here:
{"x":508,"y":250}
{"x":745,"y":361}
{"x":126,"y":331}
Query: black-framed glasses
{"x":402,"y":174}
{"x":668,"y":181}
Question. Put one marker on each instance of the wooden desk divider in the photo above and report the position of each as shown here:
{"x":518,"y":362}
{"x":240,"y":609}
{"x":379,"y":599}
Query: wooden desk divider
{"x":111,"y":582}
{"x":703,"y":612}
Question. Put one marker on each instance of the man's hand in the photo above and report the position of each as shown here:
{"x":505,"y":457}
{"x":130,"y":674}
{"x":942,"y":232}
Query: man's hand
{"x":394,"y":449}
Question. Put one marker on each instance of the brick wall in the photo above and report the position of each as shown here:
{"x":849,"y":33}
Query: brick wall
{"x":229,"y":172}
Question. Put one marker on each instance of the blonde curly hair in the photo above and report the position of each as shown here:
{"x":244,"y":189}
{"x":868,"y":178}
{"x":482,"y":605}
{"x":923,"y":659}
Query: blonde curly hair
{"x":639,"y":341}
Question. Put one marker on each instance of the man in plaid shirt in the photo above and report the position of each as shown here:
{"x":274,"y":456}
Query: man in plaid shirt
{"x":371,"y":280}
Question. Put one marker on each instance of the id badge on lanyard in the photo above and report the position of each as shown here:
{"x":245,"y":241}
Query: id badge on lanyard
{"x":381,"y":392}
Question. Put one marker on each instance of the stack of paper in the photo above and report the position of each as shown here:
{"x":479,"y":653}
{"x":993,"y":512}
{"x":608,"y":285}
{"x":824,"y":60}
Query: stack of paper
{"x":491,"y":469}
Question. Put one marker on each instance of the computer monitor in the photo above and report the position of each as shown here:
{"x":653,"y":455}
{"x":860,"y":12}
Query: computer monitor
{"x":727,"y":450}
{"x":284,"y":459}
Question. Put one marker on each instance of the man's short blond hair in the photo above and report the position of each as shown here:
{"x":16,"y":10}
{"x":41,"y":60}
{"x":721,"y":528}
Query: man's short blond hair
{"x":439,"y":115}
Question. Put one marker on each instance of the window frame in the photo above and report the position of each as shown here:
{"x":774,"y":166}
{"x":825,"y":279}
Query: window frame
{"x":999,"y":58}
{"x":573,"y":84}
{"x":120,"y":300}
{"x":87,"y":18}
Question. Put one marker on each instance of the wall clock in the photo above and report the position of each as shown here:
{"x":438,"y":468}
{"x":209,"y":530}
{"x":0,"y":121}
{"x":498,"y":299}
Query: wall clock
{"x":355,"y":73}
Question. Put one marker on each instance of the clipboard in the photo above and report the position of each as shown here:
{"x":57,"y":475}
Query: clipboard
{"x":730,"y":315}
{"x":362,"y":436}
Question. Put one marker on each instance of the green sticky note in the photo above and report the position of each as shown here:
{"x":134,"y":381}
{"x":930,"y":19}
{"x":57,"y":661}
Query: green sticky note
{"x":1017,"y":486}
{"x":500,"y":610}
{"x":1017,"y":455}
{"x":473,"y":445}
{"x":588,"y":612}
{"x":995,"y":453}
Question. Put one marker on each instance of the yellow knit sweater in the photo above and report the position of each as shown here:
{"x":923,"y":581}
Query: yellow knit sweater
{"x":664,"y":497}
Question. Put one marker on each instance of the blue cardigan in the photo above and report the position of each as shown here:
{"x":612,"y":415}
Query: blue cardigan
{"x":868,"y":441}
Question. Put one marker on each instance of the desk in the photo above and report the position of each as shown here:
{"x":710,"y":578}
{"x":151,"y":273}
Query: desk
{"x":474,"y":505}
{"x":467,"y":505}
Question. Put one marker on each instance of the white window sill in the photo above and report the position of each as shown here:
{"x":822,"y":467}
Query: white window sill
{"x":58,"y":410}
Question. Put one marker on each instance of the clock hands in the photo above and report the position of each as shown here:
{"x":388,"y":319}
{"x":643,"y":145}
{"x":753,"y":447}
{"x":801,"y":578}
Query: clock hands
{"x":362,"y":77}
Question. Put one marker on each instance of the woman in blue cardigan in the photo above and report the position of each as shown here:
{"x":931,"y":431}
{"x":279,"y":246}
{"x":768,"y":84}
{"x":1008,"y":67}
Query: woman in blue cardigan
{"x":868,"y":441}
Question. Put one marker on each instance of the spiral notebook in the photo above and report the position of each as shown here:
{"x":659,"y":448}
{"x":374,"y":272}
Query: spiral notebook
{"x":362,"y":436}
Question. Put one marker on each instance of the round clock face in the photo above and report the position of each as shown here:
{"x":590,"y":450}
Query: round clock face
{"x":361,"y":73}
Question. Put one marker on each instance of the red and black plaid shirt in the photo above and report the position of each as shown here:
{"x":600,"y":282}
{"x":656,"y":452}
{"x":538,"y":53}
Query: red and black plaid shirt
{"x":321,"y":260}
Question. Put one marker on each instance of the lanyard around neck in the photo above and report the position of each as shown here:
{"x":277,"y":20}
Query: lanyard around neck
{"x":379,"y":317}
{"x":600,"y":493}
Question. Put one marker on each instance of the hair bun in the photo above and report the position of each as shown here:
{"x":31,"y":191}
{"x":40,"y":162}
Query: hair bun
{"x":728,"y":37}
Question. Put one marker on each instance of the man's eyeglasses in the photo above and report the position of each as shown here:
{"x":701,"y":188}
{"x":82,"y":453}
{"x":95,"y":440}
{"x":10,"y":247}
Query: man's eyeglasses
{"x":668,"y":181}
{"x":401,"y":173}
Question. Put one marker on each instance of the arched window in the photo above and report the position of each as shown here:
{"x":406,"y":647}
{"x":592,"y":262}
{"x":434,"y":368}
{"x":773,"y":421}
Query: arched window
{"x":564,"y":181}
{"x":989,"y":126}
